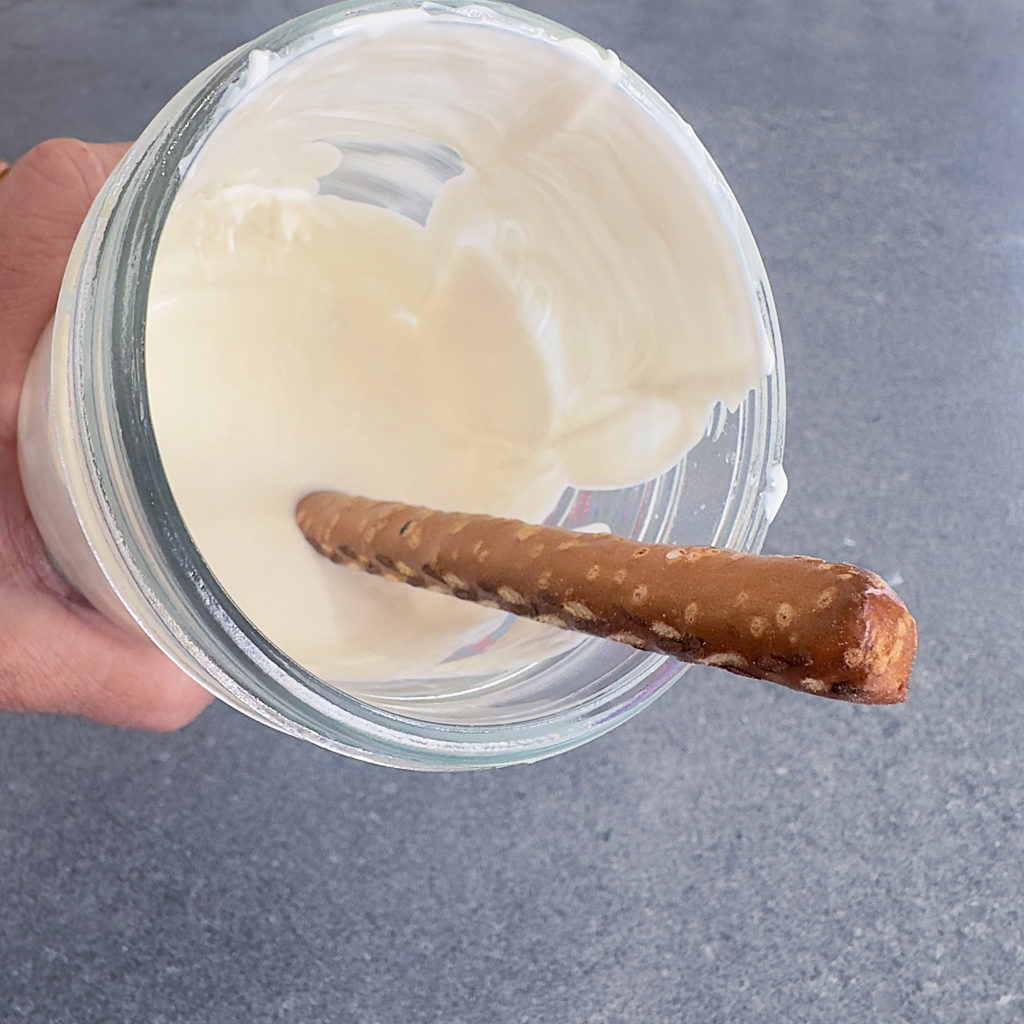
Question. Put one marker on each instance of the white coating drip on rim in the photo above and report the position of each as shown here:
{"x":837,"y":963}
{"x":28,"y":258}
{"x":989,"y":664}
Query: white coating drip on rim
{"x":774,"y":493}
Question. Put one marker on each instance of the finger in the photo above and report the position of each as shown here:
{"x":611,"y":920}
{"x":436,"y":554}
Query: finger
{"x":69,"y":660}
{"x":44,"y":198}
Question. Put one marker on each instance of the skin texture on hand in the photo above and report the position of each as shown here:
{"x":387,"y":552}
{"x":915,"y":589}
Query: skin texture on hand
{"x":57,"y":654}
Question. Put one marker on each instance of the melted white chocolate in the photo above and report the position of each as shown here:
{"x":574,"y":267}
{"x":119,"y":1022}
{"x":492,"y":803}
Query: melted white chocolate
{"x":558,"y":304}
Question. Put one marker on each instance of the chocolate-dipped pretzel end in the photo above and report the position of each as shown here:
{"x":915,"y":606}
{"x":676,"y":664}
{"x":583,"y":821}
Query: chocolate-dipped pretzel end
{"x":828,"y":629}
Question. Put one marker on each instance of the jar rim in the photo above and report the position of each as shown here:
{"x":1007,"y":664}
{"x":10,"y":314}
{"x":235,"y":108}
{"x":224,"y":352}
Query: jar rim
{"x":124,"y":500}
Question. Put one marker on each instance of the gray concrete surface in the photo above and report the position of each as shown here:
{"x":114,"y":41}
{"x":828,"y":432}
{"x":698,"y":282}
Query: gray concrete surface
{"x":737,"y":853}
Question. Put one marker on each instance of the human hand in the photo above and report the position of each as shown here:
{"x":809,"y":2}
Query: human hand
{"x":57,"y":653}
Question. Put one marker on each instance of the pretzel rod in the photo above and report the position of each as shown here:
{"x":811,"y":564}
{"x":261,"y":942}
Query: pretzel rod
{"x":828,"y":629}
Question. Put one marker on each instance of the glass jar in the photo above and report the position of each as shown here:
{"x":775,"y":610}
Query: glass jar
{"x":98,"y":493}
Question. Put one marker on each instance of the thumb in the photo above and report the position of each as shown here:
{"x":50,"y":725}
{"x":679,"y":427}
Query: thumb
{"x":44,"y":198}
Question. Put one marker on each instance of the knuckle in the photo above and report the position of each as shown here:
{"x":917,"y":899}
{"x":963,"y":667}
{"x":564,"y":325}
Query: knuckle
{"x":64,"y":164}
